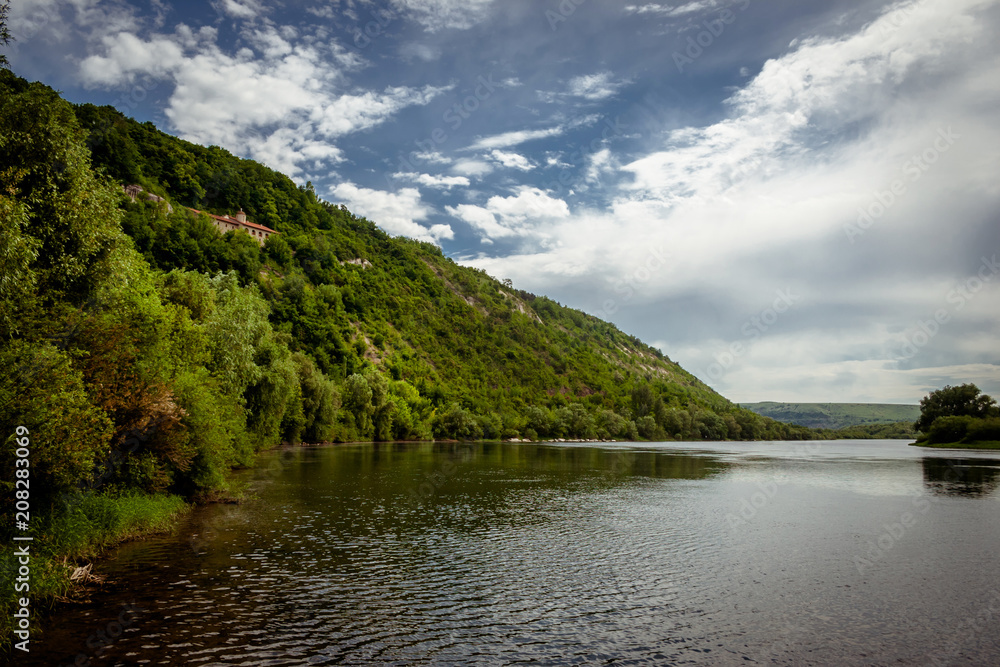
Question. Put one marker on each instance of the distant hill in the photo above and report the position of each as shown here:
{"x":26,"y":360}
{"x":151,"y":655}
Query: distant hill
{"x":835,"y":415}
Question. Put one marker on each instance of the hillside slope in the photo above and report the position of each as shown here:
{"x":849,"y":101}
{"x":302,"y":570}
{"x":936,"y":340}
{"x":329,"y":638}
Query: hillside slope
{"x":352,"y":297}
{"x":145,"y":350}
{"x":835,"y":415}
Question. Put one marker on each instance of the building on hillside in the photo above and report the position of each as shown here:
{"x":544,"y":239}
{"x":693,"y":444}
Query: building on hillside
{"x":135,"y":191}
{"x":224,"y":224}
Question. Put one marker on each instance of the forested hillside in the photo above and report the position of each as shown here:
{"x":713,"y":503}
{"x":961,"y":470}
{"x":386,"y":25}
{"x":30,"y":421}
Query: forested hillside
{"x":837,"y":415}
{"x":145,"y":350}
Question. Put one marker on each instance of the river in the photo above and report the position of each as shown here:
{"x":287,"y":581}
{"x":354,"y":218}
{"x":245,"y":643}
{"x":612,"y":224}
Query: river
{"x":813,"y":553}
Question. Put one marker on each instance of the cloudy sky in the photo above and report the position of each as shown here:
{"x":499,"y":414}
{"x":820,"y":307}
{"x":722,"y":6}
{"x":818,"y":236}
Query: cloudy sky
{"x":798,"y":200}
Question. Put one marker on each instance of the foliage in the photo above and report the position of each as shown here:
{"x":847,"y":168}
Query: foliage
{"x":77,"y":528}
{"x":963,"y":401}
{"x":5,"y":36}
{"x":69,"y":435}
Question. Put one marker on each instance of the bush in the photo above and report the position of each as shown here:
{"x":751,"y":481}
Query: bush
{"x":949,"y":429}
{"x":40,"y":390}
{"x":457,"y":423}
{"x":981,"y":430}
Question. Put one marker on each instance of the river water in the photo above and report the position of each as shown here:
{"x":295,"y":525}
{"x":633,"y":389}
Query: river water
{"x":817,"y":553}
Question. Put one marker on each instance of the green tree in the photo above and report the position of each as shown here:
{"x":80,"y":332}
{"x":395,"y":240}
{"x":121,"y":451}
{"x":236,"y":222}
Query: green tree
{"x":357,"y":398}
{"x":962,"y":401}
{"x":5,"y":36}
{"x":73,"y":214}
{"x":320,"y":400}
{"x":40,"y":390}
{"x":18,"y":252}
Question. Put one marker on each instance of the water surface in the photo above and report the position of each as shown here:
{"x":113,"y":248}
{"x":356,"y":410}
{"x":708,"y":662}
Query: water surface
{"x":846,"y":552}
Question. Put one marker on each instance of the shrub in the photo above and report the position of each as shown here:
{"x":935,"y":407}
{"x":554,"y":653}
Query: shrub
{"x":983,"y":430}
{"x":949,"y":429}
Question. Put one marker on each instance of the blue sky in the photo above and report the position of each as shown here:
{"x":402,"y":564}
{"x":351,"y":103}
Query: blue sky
{"x":795,"y":200}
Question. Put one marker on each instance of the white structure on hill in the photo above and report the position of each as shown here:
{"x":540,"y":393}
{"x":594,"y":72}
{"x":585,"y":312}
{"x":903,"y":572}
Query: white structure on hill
{"x":239,"y":222}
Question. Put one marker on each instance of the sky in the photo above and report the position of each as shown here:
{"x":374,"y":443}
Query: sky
{"x":795,"y":200}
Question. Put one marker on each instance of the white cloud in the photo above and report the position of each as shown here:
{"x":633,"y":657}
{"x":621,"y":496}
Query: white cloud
{"x":433,"y":157}
{"x":518,"y":215}
{"x":594,"y":87}
{"x":395,"y":212}
{"x":281,"y":104}
{"x":675,"y":10}
{"x":240,"y":9}
{"x":515,"y":138}
{"x":350,"y":113}
{"x":289,"y":150}
{"x":441,"y":231}
{"x":512,"y":160}
{"x":323,"y":11}
{"x":472,"y":167}
{"x":431,"y":181}
{"x":437,"y":15}
{"x":598,"y":163}
{"x":127,"y":55}
{"x":59,"y":21}
{"x":482,"y":220}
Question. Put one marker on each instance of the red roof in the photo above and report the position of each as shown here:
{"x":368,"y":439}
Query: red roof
{"x":234,"y":221}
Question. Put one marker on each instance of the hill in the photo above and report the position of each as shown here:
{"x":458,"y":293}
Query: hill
{"x":835,"y":415}
{"x":172,"y":352}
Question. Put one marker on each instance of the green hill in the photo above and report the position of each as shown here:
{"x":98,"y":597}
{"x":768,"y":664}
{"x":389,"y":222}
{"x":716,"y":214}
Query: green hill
{"x":835,"y":415}
{"x":146,"y":350}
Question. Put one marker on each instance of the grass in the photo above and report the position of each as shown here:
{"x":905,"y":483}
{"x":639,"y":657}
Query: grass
{"x":983,"y":444}
{"x":74,"y":532}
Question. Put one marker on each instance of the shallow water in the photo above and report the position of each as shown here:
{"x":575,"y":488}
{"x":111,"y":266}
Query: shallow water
{"x":846,"y":552}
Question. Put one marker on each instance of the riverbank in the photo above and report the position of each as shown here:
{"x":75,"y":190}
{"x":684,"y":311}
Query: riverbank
{"x":985,"y":444}
{"x":69,"y":538}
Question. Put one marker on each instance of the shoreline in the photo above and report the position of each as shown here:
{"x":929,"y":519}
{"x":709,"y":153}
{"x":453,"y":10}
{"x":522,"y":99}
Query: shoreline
{"x":62,"y":558}
{"x":978,"y":446}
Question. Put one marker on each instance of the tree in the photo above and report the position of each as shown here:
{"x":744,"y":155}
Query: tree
{"x":5,"y":36}
{"x":357,"y":397}
{"x":963,"y":401}
{"x":72,"y":212}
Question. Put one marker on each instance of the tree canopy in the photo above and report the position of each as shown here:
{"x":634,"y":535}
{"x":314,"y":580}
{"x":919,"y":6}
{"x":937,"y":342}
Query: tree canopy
{"x":5,"y":36}
{"x":965,"y":400}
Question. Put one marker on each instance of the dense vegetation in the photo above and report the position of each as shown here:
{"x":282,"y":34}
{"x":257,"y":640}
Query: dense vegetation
{"x":841,"y":415}
{"x":959,"y":417}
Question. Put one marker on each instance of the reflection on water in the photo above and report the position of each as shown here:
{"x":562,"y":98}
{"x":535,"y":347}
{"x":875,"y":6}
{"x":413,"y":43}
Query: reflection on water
{"x":707,"y":554}
{"x":961,"y":477}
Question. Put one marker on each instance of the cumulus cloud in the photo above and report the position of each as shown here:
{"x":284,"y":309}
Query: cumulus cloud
{"x":126,"y":55}
{"x":60,"y":20}
{"x":512,"y":160}
{"x":517,"y":215}
{"x":239,"y":9}
{"x":350,"y":113}
{"x":472,"y":167}
{"x":432,"y":157}
{"x":282,"y":103}
{"x":396,"y":212}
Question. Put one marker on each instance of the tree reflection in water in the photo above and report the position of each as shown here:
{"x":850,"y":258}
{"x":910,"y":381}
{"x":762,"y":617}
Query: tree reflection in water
{"x":961,"y":477}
